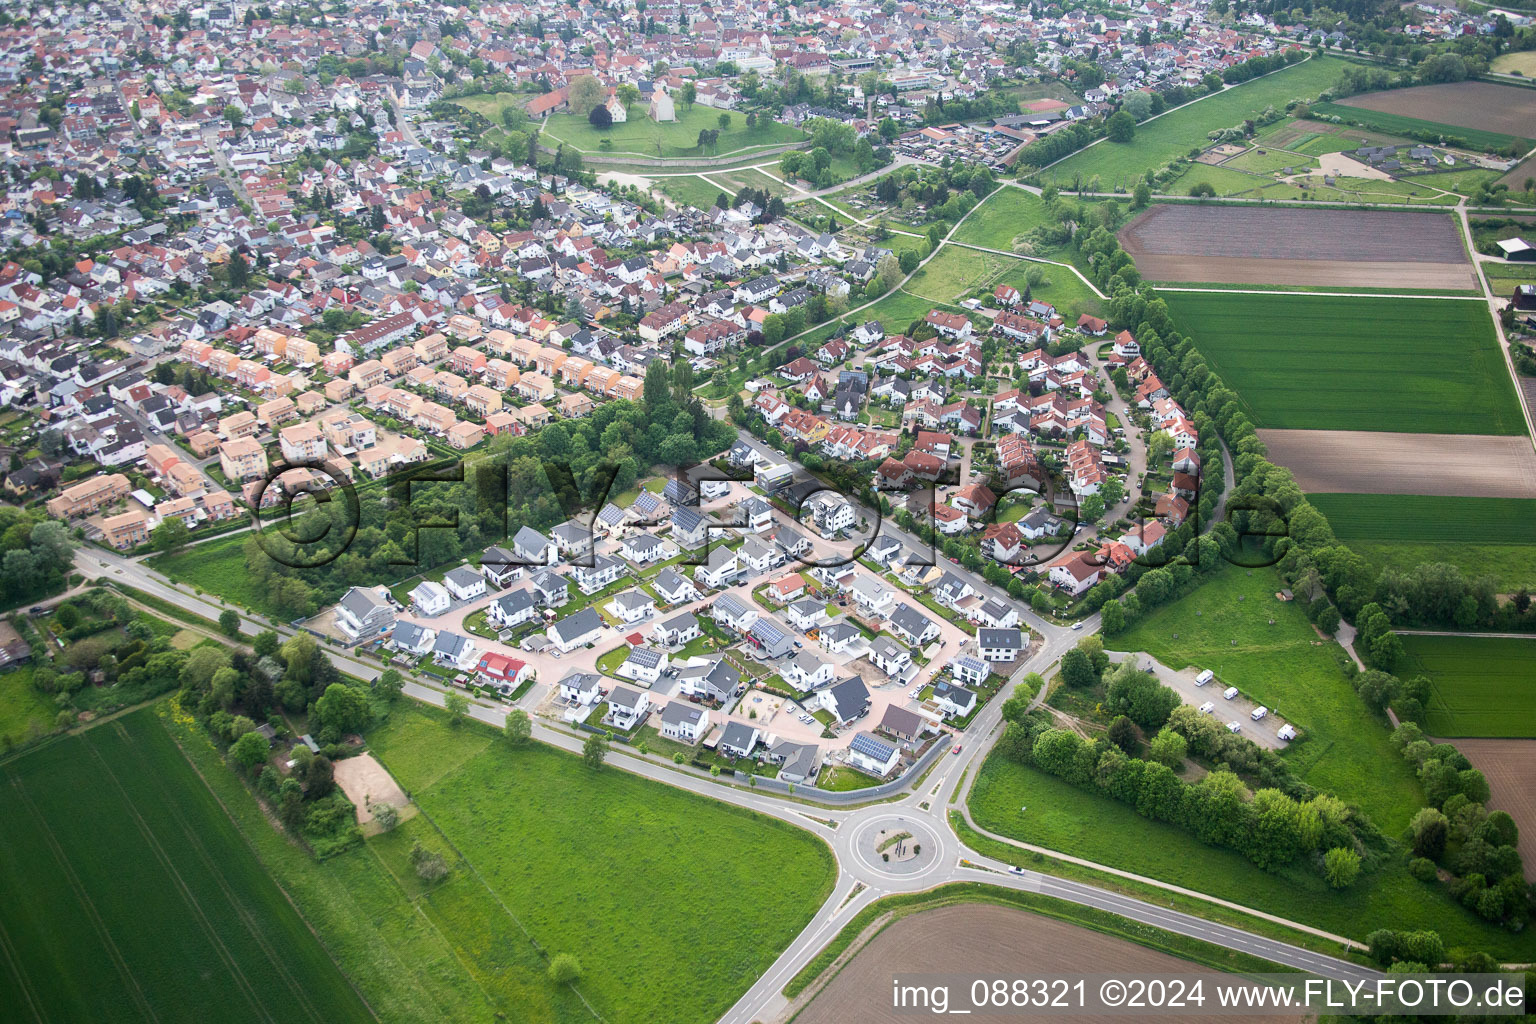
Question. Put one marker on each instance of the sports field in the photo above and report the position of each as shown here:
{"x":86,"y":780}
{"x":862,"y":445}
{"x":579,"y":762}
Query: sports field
{"x":1322,"y":362}
{"x":130,"y":896}
{"x":1174,"y":134}
{"x":1479,"y":686}
{"x":1481,"y":536}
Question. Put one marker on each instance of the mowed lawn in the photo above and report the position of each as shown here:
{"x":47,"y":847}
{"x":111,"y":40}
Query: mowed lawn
{"x":639,"y":135}
{"x":1481,"y":536}
{"x":1084,"y":823}
{"x":1328,"y":362}
{"x":673,"y":903}
{"x":1345,"y":750}
{"x":131,"y":896}
{"x":1479,"y":686}
{"x":1175,"y":133}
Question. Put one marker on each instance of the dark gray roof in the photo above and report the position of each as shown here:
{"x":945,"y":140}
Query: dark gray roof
{"x":678,"y":712}
{"x":624,"y":697}
{"x":580,"y":624}
{"x":1000,"y":638}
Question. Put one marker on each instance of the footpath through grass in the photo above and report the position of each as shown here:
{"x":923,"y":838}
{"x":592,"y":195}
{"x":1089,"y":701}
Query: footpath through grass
{"x":1479,"y":686}
{"x":1174,"y":134}
{"x":1481,"y":536}
{"x":1327,"y":362}
{"x":1286,"y":666}
{"x":131,"y":895}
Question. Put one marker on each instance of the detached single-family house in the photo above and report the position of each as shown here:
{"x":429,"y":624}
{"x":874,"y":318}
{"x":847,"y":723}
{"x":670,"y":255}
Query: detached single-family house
{"x":362,"y":614}
{"x":953,"y":700}
{"x":684,"y":722}
{"x":678,"y":630}
{"x":627,"y":708}
{"x":576,"y":630}
{"x":1000,"y":644}
{"x":848,"y":701}
{"x":644,"y":665}
{"x":739,"y":739}
{"x":464,"y":583}
{"x":430,"y":598}
{"x":870,"y":754}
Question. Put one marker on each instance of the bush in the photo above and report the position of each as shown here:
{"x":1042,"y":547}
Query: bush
{"x":430,"y":866}
{"x":1341,"y":866}
{"x":564,"y":969}
{"x":386,"y":816}
{"x":1423,"y":869}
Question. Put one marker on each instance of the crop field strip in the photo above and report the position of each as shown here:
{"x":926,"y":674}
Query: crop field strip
{"x":1481,"y":536}
{"x":1382,"y":462}
{"x":130,"y":866}
{"x":1481,"y":112}
{"x":1479,"y":686}
{"x":1321,"y":362}
{"x":1265,"y":245}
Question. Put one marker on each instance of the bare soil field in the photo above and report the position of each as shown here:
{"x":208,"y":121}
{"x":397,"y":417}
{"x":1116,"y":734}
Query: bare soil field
{"x":1517,"y":175}
{"x":366,"y":782}
{"x":1506,"y":109}
{"x":1257,"y":245}
{"x":976,"y":940}
{"x":1510,"y":767}
{"x":1370,"y":462}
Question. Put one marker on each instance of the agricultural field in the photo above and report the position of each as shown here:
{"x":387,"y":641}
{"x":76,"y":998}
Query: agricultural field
{"x":1325,"y":362}
{"x":643,"y":138}
{"x":1479,"y":686}
{"x":978,"y":939}
{"x":956,"y":273}
{"x":1175,"y":133}
{"x":1268,"y":245}
{"x":1299,"y":675}
{"x":1481,"y":536}
{"x":547,"y":838}
{"x":1484,"y":113}
{"x":1382,"y":462}
{"x":1083,"y":823}
{"x":131,"y":895}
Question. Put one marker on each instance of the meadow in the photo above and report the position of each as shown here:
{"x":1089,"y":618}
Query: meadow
{"x":23,"y":711}
{"x":217,"y":567}
{"x":1479,"y":686}
{"x":1084,"y":823}
{"x":131,"y":896}
{"x":1005,"y":215}
{"x":1289,"y":668}
{"x":640,"y":136}
{"x":635,"y":878}
{"x":1482,"y":536}
{"x":956,"y":272}
{"x":1320,"y":362}
{"x":1175,"y":133}
{"x":1399,"y":124}
{"x":689,"y":189}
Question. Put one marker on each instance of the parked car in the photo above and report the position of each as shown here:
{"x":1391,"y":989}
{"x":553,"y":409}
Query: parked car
{"x":1234,"y":727}
{"x":1229,"y":693}
{"x":1204,"y":677}
{"x":1259,"y":712}
{"x":1207,"y":708}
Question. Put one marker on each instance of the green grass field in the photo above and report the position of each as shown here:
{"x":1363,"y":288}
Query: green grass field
{"x":131,"y":896}
{"x":1083,"y":823}
{"x":1286,"y":666}
{"x":490,"y":105}
{"x":23,"y":710}
{"x":689,"y":189}
{"x":1482,"y":536}
{"x":954,"y":272}
{"x":1005,"y":215}
{"x":637,"y":879}
{"x":1398,"y":124}
{"x":1479,"y":686}
{"x":217,"y":567}
{"x":1321,"y":362}
{"x":1174,"y":134}
{"x":639,"y":136}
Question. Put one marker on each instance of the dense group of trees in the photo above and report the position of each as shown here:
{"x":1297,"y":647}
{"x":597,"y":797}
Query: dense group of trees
{"x":1457,"y":833}
{"x":36,"y":554}
{"x":831,"y":139}
{"x":538,"y":480}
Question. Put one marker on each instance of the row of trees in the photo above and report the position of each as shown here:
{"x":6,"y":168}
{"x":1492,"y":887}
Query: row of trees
{"x":1272,"y":829}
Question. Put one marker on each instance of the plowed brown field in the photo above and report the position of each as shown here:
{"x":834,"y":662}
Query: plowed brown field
{"x":1372,"y":462}
{"x":1506,"y":109}
{"x":977,"y":940}
{"x":1298,"y":246}
{"x":1510,"y":767}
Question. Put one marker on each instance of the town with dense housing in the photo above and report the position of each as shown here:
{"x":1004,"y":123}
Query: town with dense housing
{"x":986,"y":490}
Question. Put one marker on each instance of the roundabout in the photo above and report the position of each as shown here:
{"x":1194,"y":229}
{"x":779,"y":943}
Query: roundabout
{"x":895,"y":850}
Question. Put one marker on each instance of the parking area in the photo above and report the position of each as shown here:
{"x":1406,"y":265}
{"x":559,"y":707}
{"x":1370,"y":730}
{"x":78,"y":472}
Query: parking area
{"x":1239,"y":709}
